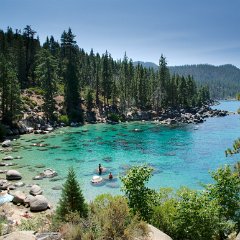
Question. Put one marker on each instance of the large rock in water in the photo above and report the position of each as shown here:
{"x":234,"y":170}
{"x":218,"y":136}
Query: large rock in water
{"x":7,"y":158}
{"x":38,"y":203}
{"x":6,"y":143}
{"x":13,"y":175}
{"x":35,"y":190}
{"x":49,"y":173}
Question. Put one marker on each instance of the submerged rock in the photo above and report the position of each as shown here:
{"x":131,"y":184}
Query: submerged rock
{"x":13,"y":175}
{"x":49,"y":173}
{"x":35,"y":190}
{"x":7,"y":158}
{"x":19,"y":184}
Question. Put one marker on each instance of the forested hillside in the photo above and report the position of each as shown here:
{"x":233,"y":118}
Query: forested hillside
{"x":86,"y":80}
{"x":223,"y":81}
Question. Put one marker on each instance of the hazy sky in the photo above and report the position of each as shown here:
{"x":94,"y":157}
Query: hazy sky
{"x":185,"y":31}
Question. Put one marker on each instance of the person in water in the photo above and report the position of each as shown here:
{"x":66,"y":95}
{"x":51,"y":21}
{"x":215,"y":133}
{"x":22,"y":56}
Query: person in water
{"x":110,"y":176}
{"x":100,"y":169}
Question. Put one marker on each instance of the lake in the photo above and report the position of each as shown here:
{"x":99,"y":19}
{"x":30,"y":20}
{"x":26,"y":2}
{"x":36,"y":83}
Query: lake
{"x":180,"y":155}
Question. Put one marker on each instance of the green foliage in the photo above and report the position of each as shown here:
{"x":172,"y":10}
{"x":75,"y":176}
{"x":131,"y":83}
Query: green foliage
{"x":27,"y":102}
{"x":36,"y":90}
{"x":223,"y":81}
{"x":63,"y":119}
{"x":226,"y":191}
{"x":212,"y":213}
{"x":109,"y":217}
{"x":68,"y":70}
{"x":164,"y":211}
{"x":47,"y":76}
{"x":140,"y":198}
{"x":90,"y":100}
{"x":3,"y":220}
{"x":238,"y":96}
{"x":115,"y":117}
{"x":9,"y":89}
{"x":72,"y":199}
{"x":32,"y":224}
{"x":196,"y":216}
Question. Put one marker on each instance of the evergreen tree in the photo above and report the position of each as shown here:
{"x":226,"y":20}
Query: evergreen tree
{"x":71,"y":77}
{"x":72,"y":199}
{"x":46,"y":72}
{"x":31,"y":47}
{"x":106,"y":77}
{"x":164,"y":77}
{"x":9,"y":90}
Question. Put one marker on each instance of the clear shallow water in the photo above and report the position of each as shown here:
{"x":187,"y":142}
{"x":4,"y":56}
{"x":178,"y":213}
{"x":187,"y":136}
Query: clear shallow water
{"x":180,"y":155}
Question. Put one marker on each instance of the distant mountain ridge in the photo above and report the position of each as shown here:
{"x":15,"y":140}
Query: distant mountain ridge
{"x":223,"y":80}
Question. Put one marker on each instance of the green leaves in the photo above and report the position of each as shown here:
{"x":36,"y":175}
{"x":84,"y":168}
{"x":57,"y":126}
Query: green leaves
{"x":47,"y":75}
{"x":226,"y":191}
{"x":140,"y":198}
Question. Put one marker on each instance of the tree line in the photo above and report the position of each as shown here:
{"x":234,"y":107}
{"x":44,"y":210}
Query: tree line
{"x":223,"y":81}
{"x":86,"y":80}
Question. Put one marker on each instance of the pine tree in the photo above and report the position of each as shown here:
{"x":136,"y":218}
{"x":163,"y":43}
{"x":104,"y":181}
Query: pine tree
{"x":106,"y":77}
{"x":9,"y":89}
{"x":164,"y":77}
{"x":72,"y":100}
{"x":72,"y":199}
{"x":46,"y":72}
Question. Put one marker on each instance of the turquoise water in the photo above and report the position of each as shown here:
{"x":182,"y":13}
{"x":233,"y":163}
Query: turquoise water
{"x":180,"y":155}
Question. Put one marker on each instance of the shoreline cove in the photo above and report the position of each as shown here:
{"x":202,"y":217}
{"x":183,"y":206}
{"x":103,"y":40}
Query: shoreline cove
{"x":179,"y":154}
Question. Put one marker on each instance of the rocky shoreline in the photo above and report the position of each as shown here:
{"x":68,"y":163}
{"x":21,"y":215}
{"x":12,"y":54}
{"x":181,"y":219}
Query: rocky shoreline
{"x":35,"y":123}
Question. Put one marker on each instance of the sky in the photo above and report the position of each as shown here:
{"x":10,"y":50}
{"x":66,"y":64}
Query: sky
{"x":184,"y":31}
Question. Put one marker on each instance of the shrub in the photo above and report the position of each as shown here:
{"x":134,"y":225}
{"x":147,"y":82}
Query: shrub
{"x":63,"y":119}
{"x":113,"y":117}
{"x":109,"y":218}
{"x":165,"y":211}
{"x":140,"y":198}
{"x":114,"y":219}
{"x":196,"y":217}
{"x":37,"y":90}
{"x":33,"y":224}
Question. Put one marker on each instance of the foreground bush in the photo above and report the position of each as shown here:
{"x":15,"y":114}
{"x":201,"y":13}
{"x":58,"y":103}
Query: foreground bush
{"x":109,"y":218}
{"x":211,"y":213}
{"x":140,"y":198}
